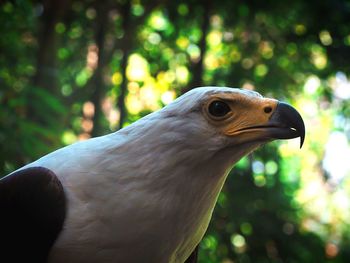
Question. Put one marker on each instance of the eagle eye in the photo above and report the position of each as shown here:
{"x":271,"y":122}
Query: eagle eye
{"x":218,"y":108}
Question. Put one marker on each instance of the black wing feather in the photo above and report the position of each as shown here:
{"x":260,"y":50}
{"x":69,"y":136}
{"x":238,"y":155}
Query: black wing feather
{"x":33,"y":208}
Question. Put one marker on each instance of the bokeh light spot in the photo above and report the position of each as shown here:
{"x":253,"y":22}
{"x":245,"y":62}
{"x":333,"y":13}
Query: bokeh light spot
{"x":246,"y":228}
{"x":300,"y":29}
{"x":239,"y":243}
{"x":325,"y":38}
{"x":261,"y":70}
{"x":182,"y":9}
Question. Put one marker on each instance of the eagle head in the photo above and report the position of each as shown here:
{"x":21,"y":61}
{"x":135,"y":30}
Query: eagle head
{"x":212,"y":121}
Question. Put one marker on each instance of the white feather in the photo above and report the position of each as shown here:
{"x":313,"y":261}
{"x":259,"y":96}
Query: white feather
{"x":145,"y":193}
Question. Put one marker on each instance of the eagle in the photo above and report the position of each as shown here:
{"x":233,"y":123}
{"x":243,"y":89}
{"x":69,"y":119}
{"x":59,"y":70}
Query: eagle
{"x":145,"y":193}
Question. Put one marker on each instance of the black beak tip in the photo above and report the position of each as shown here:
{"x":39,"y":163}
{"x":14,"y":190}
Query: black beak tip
{"x":289,"y":116}
{"x":300,"y":127}
{"x":302,"y":138}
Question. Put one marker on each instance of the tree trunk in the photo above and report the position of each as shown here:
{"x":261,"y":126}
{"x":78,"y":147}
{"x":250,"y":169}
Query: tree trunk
{"x":198,"y":66}
{"x":46,"y":75}
{"x":97,"y":79}
{"x":126,"y":46}
{"x":46,"y":69}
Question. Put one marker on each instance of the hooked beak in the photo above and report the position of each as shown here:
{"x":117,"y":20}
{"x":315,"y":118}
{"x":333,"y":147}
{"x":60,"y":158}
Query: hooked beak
{"x":286,"y":123}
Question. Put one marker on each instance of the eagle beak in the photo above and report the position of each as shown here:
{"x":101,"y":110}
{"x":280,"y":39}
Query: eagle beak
{"x":286,"y":123}
{"x":263,"y":120}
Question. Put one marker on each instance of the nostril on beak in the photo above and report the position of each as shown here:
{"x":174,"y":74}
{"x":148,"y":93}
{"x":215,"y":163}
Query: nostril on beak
{"x":268,"y":109}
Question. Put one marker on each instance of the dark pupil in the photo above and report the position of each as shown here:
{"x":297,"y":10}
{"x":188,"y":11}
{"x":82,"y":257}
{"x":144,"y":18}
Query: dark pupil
{"x":218,"y":108}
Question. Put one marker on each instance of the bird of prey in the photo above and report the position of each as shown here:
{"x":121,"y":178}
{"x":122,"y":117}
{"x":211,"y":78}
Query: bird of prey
{"x":145,"y":193}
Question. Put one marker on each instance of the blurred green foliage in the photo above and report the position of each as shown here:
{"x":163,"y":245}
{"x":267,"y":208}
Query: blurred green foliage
{"x":73,"y":69}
